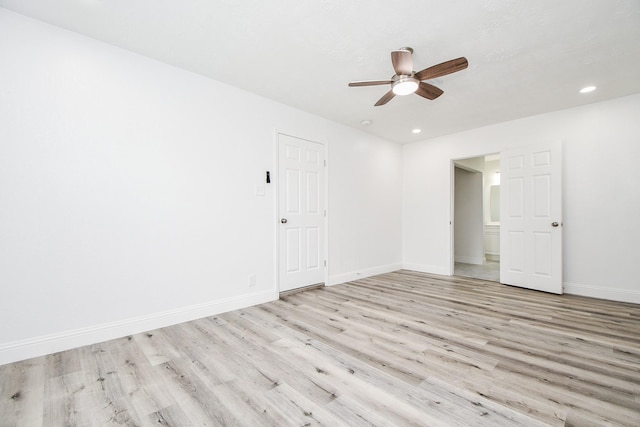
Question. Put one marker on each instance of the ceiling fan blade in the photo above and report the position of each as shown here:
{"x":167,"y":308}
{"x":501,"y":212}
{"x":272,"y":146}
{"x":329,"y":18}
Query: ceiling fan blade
{"x":370,"y":83}
{"x":402,"y":62}
{"x":442,"y":69}
{"x":428,"y":91}
{"x":386,"y":98}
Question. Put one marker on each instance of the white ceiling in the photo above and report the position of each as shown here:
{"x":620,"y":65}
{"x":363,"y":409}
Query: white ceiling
{"x":525,"y":57}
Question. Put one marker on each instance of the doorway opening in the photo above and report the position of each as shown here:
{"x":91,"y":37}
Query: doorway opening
{"x":476,"y":223}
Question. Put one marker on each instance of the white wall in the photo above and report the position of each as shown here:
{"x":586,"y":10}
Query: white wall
{"x":127,"y":192}
{"x":365,"y":207}
{"x":601,"y":188}
{"x":490,"y":178}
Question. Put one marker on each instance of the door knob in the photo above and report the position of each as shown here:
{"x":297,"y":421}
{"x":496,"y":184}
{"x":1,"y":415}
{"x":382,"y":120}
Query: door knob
{"x":554,"y":224}
{"x":283,"y":220}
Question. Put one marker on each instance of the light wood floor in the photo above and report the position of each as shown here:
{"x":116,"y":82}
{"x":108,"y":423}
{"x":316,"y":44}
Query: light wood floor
{"x":398,"y":349}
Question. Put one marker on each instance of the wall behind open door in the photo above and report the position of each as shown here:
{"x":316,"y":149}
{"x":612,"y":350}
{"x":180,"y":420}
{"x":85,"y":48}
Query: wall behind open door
{"x":468,"y":217}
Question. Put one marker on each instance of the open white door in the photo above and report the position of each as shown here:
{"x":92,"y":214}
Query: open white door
{"x":531,"y":217}
{"x":301,"y":169}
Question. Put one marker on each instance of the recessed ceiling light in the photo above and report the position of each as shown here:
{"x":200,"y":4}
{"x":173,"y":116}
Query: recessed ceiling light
{"x":416,"y":130}
{"x":587,"y":89}
{"x":366,"y":122}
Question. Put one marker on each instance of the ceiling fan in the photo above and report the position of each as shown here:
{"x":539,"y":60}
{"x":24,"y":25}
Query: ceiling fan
{"x":407,"y":81}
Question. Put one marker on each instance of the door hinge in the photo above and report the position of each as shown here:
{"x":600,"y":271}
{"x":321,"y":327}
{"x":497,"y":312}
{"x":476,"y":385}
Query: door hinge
{"x":325,"y":212}
{"x":325,"y":163}
{"x":325,"y":262}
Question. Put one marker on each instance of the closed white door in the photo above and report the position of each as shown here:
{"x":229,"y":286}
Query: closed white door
{"x":531,"y":217}
{"x":301,"y":169}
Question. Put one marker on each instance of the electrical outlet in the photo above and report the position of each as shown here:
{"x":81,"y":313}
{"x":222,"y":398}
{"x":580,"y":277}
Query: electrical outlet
{"x":252,"y":280}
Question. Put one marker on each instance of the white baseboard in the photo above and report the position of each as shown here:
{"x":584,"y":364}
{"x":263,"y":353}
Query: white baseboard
{"x":336,"y":279}
{"x":492,"y":257}
{"x":40,"y":346}
{"x":425,"y":268}
{"x":479,"y":260}
{"x":602,"y":292}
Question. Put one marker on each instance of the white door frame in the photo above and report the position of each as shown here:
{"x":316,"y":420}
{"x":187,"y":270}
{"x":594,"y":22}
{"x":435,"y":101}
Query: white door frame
{"x":276,"y":214}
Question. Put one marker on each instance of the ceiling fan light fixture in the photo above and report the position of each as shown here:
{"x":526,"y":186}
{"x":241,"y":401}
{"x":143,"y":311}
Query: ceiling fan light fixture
{"x":405,"y":85}
{"x":406,"y":81}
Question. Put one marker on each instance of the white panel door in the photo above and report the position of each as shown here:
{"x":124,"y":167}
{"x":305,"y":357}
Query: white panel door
{"x":531,"y":217}
{"x":301,"y":169}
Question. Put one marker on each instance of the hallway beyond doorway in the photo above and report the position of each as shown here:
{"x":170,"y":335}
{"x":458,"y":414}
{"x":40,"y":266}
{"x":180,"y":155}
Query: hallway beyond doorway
{"x":488,"y":271}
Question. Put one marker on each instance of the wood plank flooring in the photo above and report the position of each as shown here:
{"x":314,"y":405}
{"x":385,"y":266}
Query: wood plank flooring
{"x":398,"y":349}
